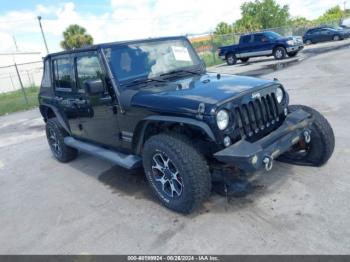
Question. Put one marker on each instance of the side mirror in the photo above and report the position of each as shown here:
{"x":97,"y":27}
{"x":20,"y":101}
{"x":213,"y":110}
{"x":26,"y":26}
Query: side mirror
{"x":94,"y":87}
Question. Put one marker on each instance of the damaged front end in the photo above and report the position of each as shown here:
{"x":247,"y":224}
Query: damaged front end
{"x":251,"y":156}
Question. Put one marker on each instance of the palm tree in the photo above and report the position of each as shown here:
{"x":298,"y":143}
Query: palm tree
{"x":75,"y":36}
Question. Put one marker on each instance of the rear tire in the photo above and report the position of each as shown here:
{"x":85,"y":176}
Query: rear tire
{"x":55,"y":136}
{"x":321,"y":146}
{"x":279,"y":53}
{"x":231,"y":59}
{"x":336,"y":38}
{"x":308,"y":42}
{"x":177,"y":173}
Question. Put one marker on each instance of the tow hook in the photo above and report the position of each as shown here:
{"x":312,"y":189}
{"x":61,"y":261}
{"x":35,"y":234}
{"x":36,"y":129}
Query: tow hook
{"x":268,"y":161}
{"x":307,"y":136}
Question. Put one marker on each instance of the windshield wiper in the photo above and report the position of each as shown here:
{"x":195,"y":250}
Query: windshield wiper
{"x":181,"y":71}
{"x":143,"y":80}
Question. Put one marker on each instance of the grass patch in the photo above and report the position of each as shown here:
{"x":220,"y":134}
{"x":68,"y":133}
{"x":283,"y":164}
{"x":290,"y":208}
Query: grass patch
{"x":14,"y":101}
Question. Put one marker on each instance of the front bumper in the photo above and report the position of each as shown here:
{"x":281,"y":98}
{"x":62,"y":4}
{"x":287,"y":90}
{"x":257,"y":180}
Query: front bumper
{"x":250,"y":156}
{"x":295,"y":48}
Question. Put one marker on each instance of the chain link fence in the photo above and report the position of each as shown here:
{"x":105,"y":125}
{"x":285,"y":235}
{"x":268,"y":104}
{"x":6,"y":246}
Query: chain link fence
{"x":207,"y":44}
{"x":19,"y":86}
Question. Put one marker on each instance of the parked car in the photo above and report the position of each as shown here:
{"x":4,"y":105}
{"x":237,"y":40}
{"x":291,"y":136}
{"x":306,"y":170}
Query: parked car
{"x":340,"y":28}
{"x":261,"y":44}
{"x":322,"y":34}
{"x":152,"y":103}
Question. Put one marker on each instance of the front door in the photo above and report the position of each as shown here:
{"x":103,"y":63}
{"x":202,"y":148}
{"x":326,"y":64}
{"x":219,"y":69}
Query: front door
{"x":261,"y":45}
{"x":97,"y":112}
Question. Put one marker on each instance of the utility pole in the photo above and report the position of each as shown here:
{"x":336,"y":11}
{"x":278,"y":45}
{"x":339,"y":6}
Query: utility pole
{"x":21,"y":84}
{"x":42,"y":33}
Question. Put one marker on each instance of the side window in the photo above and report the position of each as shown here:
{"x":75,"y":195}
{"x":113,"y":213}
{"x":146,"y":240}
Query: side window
{"x":62,"y":69}
{"x":46,"y":80}
{"x":258,"y":38}
{"x":245,"y":39}
{"x":88,"y":68}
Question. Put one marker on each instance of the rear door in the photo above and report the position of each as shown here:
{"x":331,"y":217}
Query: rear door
{"x":245,"y":46}
{"x":65,"y":91}
{"x":97,"y":112}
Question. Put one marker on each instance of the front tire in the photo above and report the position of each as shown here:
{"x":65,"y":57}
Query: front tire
{"x":177,"y":173}
{"x":321,"y":146}
{"x":55,"y":137}
{"x":279,"y":53}
{"x":336,"y":38}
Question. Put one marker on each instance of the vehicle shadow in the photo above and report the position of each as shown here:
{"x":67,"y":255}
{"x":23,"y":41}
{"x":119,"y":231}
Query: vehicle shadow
{"x":133,"y":183}
{"x":260,"y":60}
{"x":263,"y":183}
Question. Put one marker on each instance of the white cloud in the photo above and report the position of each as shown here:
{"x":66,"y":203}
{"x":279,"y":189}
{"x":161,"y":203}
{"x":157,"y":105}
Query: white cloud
{"x":132,"y":19}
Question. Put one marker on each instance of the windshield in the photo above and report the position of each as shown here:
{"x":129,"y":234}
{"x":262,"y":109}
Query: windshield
{"x":272,"y":35}
{"x":150,"y":59}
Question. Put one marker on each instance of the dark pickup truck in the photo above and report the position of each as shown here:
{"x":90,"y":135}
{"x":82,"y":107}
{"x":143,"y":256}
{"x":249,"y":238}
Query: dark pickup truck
{"x":261,"y":44}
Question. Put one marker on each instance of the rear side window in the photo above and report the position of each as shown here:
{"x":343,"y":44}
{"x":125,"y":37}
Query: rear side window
{"x":88,"y":68}
{"x":62,"y":69}
{"x":245,"y":39}
{"x":46,"y":81}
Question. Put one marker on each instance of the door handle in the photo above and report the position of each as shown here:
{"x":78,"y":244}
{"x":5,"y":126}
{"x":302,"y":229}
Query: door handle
{"x":58,"y":98}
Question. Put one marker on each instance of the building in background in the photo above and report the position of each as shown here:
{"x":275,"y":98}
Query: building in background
{"x":29,"y":65}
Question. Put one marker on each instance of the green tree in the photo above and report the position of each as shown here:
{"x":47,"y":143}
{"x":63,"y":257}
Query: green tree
{"x":300,"y":21}
{"x":261,"y":14}
{"x":75,"y":36}
{"x":334,"y":14}
{"x":223,"y":28}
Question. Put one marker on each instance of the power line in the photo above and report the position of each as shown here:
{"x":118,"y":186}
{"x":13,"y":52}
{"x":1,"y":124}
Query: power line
{"x":16,"y":21}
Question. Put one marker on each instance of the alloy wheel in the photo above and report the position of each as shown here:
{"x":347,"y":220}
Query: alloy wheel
{"x":166,"y":175}
{"x":54,"y":142}
{"x":279,"y":54}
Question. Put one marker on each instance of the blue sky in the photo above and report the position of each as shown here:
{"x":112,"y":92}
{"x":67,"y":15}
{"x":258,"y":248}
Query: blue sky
{"x":113,"y":20}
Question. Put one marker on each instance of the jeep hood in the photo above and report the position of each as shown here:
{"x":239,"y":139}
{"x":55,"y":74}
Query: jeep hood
{"x":184,"y":96}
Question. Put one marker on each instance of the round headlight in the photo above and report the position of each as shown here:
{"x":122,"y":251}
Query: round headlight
{"x":222,"y":119}
{"x":279,"y":94}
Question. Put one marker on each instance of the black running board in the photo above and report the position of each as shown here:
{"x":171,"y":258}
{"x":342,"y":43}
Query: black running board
{"x":120,"y":159}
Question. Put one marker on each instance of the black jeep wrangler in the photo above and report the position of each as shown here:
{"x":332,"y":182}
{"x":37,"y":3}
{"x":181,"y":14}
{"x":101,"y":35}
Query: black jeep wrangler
{"x":152,"y":103}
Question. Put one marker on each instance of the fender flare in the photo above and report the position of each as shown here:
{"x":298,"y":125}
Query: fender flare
{"x":171,"y":119}
{"x":58,"y":115}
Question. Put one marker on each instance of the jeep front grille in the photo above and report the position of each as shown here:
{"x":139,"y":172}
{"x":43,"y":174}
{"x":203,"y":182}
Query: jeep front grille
{"x":259,"y":116}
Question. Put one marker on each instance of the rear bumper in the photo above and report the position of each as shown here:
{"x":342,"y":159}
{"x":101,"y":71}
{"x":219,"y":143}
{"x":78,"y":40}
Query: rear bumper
{"x":296,"y":48}
{"x":250,"y":156}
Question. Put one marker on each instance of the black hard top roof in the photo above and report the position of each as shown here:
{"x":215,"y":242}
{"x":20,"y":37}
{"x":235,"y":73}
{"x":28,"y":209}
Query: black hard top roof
{"x":98,"y":46}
